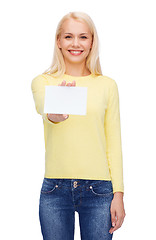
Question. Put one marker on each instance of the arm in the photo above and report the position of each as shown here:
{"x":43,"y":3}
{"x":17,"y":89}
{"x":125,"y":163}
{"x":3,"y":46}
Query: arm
{"x":114,"y":156}
{"x":38,"y":89}
{"x":117,"y":211}
{"x":113,"y":138}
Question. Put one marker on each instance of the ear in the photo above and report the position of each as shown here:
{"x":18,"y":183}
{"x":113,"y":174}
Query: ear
{"x":58,"y":43}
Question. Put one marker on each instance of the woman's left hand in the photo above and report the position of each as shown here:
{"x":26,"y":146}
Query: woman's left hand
{"x":117,"y":211}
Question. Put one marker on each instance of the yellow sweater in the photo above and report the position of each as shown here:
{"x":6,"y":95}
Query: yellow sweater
{"x":84,"y":146}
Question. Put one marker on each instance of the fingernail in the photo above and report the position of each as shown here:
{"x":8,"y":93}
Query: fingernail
{"x":113,"y":224}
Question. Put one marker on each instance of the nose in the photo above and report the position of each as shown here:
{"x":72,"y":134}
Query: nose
{"x":75,"y":42}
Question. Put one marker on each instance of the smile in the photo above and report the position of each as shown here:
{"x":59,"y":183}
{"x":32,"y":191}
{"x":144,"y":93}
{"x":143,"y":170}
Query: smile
{"x":76,"y":52}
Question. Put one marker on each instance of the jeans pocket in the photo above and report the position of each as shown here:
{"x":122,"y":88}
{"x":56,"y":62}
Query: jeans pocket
{"x":102,"y":188}
{"x":48,"y":186}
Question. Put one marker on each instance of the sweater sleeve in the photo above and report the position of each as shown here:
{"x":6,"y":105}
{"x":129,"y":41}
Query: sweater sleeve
{"x":38,"y":90}
{"x":113,"y":139}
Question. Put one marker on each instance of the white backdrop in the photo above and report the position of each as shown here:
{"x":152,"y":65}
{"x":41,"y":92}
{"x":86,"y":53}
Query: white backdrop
{"x":126,"y":31}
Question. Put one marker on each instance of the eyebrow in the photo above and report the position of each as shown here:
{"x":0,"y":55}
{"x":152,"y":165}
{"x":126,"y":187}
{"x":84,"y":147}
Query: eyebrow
{"x":80,"y":33}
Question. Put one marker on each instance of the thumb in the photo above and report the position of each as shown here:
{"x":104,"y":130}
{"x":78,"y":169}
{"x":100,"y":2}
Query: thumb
{"x":113,"y":218}
{"x":65,"y":115}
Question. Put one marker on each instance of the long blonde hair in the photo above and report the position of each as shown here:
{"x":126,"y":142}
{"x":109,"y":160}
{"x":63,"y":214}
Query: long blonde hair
{"x":57,"y":67}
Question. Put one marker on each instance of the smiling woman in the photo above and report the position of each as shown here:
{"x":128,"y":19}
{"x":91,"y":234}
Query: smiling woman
{"x":75,"y":32}
{"x":83,"y":157}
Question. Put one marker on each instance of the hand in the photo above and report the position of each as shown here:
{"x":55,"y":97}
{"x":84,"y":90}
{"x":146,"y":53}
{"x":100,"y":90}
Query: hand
{"x":60,"y":117}
{"x":117,"y":211}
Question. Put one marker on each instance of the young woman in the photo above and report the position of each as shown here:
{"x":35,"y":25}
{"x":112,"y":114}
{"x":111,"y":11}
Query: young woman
{"x":83,"y":153}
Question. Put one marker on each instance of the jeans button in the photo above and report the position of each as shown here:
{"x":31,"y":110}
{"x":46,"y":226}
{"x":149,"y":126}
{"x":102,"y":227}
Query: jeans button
{"x":75,"y":184}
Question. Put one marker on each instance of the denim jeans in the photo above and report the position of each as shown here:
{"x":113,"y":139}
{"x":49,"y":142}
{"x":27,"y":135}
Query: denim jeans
{"x":60,"y":198}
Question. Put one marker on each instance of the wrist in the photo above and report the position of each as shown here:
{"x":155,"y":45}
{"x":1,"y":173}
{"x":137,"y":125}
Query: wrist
{"x":118,"y":194}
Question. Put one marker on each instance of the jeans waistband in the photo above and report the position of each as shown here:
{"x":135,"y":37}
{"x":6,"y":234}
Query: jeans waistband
{"x":80,"y":182}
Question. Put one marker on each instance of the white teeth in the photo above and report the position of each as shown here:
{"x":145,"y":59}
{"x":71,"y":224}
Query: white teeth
{"x":75,"y":51}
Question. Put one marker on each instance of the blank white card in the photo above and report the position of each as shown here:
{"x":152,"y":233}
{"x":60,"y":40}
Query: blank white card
{"x":65,"y":100}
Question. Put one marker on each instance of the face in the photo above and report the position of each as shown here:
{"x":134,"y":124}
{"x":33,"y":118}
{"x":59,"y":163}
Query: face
{"x":75,"y":41}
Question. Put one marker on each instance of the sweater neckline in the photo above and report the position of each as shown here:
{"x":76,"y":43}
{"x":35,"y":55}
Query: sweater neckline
{"x":71,"y":77}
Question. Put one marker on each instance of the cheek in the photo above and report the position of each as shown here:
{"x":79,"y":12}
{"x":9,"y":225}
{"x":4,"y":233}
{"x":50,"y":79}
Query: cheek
{"x":87,"y":46}
{"x":64,"y":44}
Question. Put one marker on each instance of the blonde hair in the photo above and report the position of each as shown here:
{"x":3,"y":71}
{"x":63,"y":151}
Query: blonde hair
{"x":57,"y":67}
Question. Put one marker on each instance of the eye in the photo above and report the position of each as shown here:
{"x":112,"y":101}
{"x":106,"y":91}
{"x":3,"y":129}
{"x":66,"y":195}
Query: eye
{"x":83,"y":37}
{"x":67,"y":37}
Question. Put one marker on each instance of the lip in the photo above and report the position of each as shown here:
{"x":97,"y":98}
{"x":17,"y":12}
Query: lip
{"x":75,"y":54}
{"x":75,"y":50}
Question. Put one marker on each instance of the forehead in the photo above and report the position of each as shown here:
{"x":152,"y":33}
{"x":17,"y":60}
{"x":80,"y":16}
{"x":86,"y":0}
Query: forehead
{"x":75,"y":26}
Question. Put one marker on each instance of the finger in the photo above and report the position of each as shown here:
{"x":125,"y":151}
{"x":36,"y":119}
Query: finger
{"x":73,"y":83}
{"x":117,"y":225}
{"x":68,"y":84}
{"x":63,"y":83}
{"x":113,"y":229}
{"x":122,"y":220}
{"x":113,"y":218}
{"x":65,"y":116}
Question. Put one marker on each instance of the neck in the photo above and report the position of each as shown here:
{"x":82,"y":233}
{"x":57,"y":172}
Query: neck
{"x":77,"y":69}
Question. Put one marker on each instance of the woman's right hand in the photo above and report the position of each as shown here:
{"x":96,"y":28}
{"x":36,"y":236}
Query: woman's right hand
{"x":60,"y":117}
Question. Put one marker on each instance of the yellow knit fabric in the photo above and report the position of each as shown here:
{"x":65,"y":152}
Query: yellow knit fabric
{"x":84,"y":146}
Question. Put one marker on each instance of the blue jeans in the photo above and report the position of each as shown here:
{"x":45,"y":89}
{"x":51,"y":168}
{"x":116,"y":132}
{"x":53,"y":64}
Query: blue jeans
{"x":60,"y":198}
